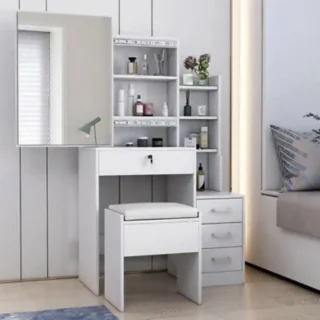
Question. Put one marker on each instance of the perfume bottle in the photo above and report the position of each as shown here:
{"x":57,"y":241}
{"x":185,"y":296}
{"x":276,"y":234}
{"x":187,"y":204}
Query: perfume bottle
{"x":145,"y":65}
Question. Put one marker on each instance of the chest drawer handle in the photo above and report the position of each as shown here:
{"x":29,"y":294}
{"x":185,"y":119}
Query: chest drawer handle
{"x":223,"y":235}
{"x":226,"y":210}
{"x":222,"y":259}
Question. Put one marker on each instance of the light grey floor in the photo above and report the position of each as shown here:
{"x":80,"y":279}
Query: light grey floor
{"x":153,"y":296}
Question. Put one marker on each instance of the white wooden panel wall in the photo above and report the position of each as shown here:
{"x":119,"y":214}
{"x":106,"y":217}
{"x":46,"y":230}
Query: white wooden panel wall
{"x":202,"y":26}
{"x":33,"y":197}
{"x":9,"y":159}
{"x":135,"y":17}
{"x":33,"y":5}
{"x":108,"y":8}
{"x":62,"y":212}
{"x":34,"y":213}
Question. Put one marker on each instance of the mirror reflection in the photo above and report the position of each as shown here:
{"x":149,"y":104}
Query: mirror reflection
{"x":64,"y":79}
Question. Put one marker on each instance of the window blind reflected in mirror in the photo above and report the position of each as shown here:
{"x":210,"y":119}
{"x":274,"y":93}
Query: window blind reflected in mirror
{"x":34,"y":87}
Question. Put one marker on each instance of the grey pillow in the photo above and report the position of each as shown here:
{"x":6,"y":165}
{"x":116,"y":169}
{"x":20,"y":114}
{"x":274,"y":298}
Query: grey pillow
{"x":299,"y":156}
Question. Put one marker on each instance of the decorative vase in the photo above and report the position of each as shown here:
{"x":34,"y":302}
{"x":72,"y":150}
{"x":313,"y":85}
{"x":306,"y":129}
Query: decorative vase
{"x":201,"y":82}
{"x":187,"y":79}
{"x":187,"y":110}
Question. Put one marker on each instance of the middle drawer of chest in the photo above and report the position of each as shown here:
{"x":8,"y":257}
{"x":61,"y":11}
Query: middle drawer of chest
{"x":222,"y":235}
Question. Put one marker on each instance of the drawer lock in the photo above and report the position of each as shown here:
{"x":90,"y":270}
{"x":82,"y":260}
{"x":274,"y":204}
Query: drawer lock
{"x":150,"y":157}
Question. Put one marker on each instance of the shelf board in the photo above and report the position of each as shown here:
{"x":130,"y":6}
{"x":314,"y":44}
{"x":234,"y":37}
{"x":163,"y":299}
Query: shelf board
{"x":198,"y":88}
{"x":210,"y":194}
{"x":131,"y":121}
{"x":198,"y":118}
{"x":143,"y":78}
{"x":207,"y":150}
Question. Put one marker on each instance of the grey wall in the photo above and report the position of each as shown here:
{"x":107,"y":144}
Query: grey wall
{"x":38,"y":186}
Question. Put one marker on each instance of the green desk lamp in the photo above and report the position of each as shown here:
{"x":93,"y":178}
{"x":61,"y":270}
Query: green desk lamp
{"x":87,"y":128}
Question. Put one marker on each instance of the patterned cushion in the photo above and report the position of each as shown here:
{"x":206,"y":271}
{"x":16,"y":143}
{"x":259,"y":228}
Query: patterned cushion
{"x":299,"y":156}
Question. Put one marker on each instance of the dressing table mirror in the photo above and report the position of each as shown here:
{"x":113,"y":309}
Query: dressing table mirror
{"x":64,"y":79}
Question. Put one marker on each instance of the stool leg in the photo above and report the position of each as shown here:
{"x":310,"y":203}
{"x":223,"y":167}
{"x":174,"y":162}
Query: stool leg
{"x":114,"y":259}
{"x":189,"y":276}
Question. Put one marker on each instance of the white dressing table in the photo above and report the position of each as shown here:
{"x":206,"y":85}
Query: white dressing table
{"x":178,"y":164}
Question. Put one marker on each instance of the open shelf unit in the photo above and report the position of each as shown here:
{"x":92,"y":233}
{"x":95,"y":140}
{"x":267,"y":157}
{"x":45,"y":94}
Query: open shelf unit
{"x":143,"y":78}
{"x":198,"y":88}
{"x":158,"y":89}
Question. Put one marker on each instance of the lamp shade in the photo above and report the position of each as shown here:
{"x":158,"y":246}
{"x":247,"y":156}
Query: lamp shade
{"x":87,"y":127}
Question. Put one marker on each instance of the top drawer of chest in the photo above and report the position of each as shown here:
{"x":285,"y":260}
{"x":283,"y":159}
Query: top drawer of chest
{"x":146,"y":161}
{"x":220,"y":210}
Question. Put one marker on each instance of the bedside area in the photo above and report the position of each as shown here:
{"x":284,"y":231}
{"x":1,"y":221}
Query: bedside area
{"x":223,"y":220}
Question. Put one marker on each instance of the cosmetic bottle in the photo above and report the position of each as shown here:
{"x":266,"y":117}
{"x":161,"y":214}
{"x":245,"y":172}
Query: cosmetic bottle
{"x":131,"y":95}
{"x":145,"y":65}
{"x":165,"y":111}
{"x":132,"y":66}
{"x":121,"y":106}
{"x":138,"y":107}
{"x":204,"y":138}
{"x":200,"y":178}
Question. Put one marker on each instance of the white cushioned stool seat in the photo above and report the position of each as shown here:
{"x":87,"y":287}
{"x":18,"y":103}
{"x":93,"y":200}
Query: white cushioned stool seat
{"x":154,"y":211}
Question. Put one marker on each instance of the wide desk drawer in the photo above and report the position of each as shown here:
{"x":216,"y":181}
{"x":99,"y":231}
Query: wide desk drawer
{"x":222,"y":235}
{"x":147,"y":161}
{"x":222,"y":260}
{"x":220,"y":210}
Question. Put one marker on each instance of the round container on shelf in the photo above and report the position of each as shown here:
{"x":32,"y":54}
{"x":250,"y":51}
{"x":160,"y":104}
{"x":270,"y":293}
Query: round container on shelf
{"x":143,"y":142}
{"x":148,"y":109}
{"x":157,"y":142}
{"x":129,"y":144}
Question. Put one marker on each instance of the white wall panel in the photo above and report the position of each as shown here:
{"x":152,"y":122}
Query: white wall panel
{"x":9,"y":160}
{"x":203,"y":26}
{"x":33,"y":198}
{"x":135,"y":17}
{"x":33,"y":5}
{"x":34,"y":213}
{"x":107,"y":8}
{"x":9,"y":4}
{"x":63,"y":212}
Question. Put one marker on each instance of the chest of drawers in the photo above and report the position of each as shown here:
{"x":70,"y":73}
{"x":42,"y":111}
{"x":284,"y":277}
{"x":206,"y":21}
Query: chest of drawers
{"x":222,"y":238}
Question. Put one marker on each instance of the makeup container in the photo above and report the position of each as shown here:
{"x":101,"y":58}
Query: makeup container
{"x":148,"y":109}
{"x":157,"y":142}
{"x":196,"y":136}
{"x":143,"y":142}
{"x":129,"y":144}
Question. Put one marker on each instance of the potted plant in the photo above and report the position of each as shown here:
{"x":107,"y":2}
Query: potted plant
{"x":198,"y":68}
{"x":316,"y":137}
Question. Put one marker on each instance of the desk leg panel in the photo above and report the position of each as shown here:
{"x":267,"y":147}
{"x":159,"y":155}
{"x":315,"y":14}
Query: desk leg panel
{"x":114,"y":259}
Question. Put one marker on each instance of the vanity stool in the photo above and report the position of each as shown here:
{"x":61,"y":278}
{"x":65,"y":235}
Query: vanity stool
{"x":144,"y":229}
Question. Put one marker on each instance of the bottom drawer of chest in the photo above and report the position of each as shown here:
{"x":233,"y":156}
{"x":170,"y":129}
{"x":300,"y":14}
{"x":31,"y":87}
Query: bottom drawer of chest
{"x":222,"y":260}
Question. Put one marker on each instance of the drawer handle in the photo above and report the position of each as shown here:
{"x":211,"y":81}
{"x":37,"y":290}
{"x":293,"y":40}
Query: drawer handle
{"x":150,"y":157}
{"x":223,"y":259}
{"x":226,"y":210}
{"x":223,"y":235}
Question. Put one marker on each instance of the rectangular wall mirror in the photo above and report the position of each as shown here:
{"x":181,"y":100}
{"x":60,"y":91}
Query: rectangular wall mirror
{"x":64,"y":79}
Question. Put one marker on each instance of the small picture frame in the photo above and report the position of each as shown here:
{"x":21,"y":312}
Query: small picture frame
{"x":202,"y":110}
